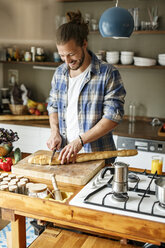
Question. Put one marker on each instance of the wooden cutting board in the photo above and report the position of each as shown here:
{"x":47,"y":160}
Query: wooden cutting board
{"x":78,"y":173}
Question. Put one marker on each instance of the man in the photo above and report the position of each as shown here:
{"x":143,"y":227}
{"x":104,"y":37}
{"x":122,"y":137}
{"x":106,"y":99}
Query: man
{"x":87,"y":95}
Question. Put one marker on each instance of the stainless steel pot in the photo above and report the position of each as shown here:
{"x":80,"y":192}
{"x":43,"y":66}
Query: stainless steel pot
{"x":120,"y":178}
{"x":160,"y":189}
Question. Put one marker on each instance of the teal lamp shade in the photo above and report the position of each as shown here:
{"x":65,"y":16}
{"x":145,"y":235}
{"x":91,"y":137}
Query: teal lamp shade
{"x":117,"y":23}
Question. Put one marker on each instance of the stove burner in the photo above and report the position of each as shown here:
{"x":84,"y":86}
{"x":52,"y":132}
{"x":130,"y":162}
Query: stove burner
{"x":161,"y":207}
{"x":132,"y":178}
{"x":120,"y":197}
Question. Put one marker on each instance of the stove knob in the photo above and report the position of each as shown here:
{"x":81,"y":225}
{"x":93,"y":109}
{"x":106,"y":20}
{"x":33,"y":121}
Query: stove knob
{"x":152,"y":148}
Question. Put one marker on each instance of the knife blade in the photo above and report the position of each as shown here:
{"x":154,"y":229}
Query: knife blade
{"x":53,"y":155}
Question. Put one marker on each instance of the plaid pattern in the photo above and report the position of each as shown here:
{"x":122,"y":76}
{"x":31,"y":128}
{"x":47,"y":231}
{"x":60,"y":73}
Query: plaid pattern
{"x":101,"y":95}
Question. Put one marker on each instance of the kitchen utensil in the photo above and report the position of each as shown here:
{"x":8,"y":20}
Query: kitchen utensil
{"x":120,"y":178}
{"x":160,"y":189}
{"x":52,"y":155}
{"x":57,"y":193}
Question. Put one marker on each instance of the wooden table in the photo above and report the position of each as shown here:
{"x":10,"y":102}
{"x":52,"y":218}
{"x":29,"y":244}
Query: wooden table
{"x":15,"y":207}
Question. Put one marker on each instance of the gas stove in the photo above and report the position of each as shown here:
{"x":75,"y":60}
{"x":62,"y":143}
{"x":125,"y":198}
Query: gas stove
{"x":139,"y":201}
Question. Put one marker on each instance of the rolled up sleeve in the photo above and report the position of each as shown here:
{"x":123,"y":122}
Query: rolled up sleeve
{"x":113,"y":106}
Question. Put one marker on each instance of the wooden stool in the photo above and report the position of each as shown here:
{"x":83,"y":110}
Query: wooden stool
{"x":57,"y":238}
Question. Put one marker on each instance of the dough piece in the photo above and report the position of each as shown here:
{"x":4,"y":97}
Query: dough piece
{"x":43,"y":159}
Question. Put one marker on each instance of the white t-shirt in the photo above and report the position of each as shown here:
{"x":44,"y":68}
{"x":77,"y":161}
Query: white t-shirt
{"x":72,"y":111}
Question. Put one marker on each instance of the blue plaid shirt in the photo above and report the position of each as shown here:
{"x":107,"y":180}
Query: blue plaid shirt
{"x":101,"y":95}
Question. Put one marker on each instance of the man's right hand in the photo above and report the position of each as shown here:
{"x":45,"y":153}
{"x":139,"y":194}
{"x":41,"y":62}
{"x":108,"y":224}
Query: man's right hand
{"x":55,"y":140}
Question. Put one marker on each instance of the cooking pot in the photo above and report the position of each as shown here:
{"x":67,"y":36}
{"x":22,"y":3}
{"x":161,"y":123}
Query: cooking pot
{"x":160,"y":189}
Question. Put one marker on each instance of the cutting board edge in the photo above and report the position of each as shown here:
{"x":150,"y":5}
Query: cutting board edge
{"x":64,"y":179}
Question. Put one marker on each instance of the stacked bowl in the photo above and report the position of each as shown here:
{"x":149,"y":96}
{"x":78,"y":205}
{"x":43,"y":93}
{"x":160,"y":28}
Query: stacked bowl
{"x":126,"y":57}
{"x":112,"y":57}
{"x":139,"y":61}
{"x":161,"y":59}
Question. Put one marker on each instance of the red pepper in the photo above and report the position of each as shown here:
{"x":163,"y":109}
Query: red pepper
{"x":6,"y":163}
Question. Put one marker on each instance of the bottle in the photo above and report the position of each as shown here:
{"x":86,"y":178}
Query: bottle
{"x":33,"y":53}
{"x":132,"y":110}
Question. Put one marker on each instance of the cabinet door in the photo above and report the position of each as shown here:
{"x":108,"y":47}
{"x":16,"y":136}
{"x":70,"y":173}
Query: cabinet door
{"x":31,"y":139}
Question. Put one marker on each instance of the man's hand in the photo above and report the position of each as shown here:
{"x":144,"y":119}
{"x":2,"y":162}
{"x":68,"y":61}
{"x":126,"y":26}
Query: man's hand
{"x":69,"y":151}
{"x":55,"y":140}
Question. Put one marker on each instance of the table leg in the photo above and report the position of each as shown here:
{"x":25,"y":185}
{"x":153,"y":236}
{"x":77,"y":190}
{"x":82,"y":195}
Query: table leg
{"x":18,"y":228}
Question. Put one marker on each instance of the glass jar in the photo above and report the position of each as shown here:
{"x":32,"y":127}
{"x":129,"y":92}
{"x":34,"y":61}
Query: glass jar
{"x":27,"y":188}
{"x":12,"y":176}
{"x":38,"y":190}
{"x":28,"y":56}
{"x":4,"y":187}
{"x":7,"y":179}
{"x":13,"y":189}
{"x":21,"y":187}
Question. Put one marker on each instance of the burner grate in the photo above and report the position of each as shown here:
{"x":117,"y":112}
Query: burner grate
{"x":142,"y":193}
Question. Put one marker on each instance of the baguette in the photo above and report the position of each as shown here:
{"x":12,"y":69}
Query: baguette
{"x":43,"y":159}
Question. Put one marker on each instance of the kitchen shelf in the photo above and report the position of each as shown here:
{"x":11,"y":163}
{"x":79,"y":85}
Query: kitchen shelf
{"x":139,"y":67}
{"x":55,"y":64}
{"x":138,"y":32}
{"x":46,"y":63}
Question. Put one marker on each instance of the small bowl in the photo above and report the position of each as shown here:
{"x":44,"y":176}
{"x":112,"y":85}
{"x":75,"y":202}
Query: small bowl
{"x":112,"y":60}
{"x":161,"y":61}
{"x":127,"y":53}
{"x":126,"y":60}
{"x":112,"y":53}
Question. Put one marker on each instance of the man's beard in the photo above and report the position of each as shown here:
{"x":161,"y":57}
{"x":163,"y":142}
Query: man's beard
{"x":81,"y":61}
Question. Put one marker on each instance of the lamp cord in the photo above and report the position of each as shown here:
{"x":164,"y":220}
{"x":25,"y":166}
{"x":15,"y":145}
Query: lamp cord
{"x":116,"y":3}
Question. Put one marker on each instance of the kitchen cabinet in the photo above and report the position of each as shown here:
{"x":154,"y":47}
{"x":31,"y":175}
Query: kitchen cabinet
{"x":30,"y":138}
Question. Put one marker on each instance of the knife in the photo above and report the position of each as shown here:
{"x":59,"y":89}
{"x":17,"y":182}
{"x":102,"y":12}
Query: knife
{"x":53,"y":155}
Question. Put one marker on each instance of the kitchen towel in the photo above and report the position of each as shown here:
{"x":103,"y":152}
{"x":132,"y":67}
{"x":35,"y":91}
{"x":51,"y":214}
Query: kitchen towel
{"x":30,"y":235}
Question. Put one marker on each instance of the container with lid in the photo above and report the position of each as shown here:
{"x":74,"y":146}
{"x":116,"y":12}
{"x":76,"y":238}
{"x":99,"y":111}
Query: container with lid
{"x":4,"y":183}
{"x":4,"y":187}
{"x":5,"y":174}
{"x":11,"y":183}
{"x":19,"y":177}
{"x":21,"y":187}
{"x":13,"y":189}
{"x":27,"y":188}
{"x":12,"y":176}
{"x":7,"y":179}
{"x":15,"y":180}
{"x":26,"y":180}
{"x":38,"y":190}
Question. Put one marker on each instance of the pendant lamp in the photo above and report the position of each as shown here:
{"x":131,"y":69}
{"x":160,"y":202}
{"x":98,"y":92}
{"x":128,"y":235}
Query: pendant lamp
{"x":116,"y":23}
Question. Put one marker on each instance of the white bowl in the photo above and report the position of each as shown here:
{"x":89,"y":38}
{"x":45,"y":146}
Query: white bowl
{"x":126,"y":60}
{"x":161,"y":61}
{"x":112,"y":60}
{"x":112,"y":53}
{"x":127,"y":53}
{"x":113,"y":57}
{"x":139,"y":61}
{"x":144,"y":61}
{"x":161,"y":55}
